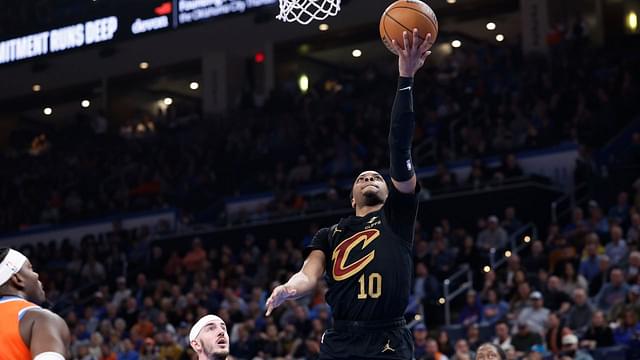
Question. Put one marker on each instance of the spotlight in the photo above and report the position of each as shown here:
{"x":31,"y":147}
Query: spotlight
{"x":527,"y":238}
{"x":47,"y":111}
{"x":456,"y":43}
{"x":323,"y":27}
{"x":303,"y":83}
{"x":507,"y":253}
{"x":194,"y":85}
{"x":85,"y":103}
{"x":491,"y":26}
{"x":36,"y":87}
{"x":486,"y":269}
{"x":356,"y":53}
{"x":168,"y":101}
{"x":500,"y":38}
{"x":143,"y":65}
{"x":442,"y":301}
{"x":451,"y":1}
{"x":632,"y":21}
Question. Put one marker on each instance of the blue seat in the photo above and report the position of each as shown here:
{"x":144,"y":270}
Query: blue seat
{"x":487,"y":332}
{"x":455,"y":332}
{"x":610,"y":353}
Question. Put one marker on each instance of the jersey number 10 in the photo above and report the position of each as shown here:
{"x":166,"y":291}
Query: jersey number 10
{"x":375,"y":286}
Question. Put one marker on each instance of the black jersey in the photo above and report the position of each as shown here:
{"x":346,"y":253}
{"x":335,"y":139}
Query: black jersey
{"x":369,"y":260}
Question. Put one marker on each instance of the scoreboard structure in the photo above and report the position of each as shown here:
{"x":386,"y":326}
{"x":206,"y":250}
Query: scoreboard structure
{"x":122,"y":23}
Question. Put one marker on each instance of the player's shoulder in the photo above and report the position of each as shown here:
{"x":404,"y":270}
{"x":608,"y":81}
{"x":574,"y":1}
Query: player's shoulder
{"x":323,"y":232}
{"x":40,"y":314}
{"x":39,"y":321}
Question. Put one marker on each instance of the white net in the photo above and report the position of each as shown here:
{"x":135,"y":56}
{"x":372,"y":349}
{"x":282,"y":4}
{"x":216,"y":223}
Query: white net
{"x":305,"y":11}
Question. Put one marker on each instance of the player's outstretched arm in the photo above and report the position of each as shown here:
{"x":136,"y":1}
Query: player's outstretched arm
{"x":410,"y":60}
{"x":48,"y":336}
{"x":301,"y":283}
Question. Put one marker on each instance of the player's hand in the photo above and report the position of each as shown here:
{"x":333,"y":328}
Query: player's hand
{"x":279,"y":295}
{"x":412,"y":58}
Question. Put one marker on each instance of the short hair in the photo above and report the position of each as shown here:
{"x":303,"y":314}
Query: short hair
{"x":501,"y":353}
{"x":4,"y":251}
{"x":502,"y":322}
{"x":615,"y":268}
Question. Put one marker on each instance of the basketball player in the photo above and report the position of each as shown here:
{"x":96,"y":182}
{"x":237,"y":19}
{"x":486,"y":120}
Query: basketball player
{"x":367,"y":256}
{"x":27,"y":331}
{"x":209,"y":338}
{"x":490,"y":351}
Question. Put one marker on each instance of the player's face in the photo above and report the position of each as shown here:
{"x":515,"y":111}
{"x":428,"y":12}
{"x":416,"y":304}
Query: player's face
{"x":369,"y":189}
{"x":214,"y":340}
{"x":32,"y":285}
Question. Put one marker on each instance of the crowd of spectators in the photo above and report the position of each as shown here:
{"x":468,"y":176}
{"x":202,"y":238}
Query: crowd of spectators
{"x":573,"y":291}
{"x":480,"y":100}
{"x":575,"y":288}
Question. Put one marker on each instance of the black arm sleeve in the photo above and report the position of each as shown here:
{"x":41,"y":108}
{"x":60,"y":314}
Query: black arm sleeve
{"x":401,"y":131}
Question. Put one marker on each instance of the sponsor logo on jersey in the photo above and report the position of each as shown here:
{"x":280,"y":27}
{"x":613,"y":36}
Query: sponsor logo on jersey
{"x":374,"y":221}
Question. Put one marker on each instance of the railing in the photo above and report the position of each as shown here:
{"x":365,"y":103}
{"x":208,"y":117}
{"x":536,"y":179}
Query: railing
{"x":449,"y":296}
{"x":519,"y":240}
{"x":452,"y":136}
{"x":568,"y":199}
{"x":425,"y":150}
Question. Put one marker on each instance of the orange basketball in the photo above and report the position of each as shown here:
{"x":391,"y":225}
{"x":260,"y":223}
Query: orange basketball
{"x":405,"y":15}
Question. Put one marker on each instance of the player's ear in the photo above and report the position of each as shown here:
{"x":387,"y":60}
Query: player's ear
{"x":353,"y":202}
{"x":196,"y":346}
{"x":18,"y":280}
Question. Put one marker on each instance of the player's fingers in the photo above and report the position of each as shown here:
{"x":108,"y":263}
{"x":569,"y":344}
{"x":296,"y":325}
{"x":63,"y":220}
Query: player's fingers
{"x":426,"y":44}
{"x":396,"y":47}
{"x":415,"y":44}
{"x":424,"y":56}
{"x":273,"y":301}
{"x":268,"y":304}
{"x":405,"y":38}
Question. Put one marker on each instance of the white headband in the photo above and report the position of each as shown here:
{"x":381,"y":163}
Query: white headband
{"x":11,"y":265}
{"x":195,"y":330}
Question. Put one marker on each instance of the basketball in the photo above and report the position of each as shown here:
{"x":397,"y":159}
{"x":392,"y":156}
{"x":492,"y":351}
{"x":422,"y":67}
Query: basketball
{"x":405,"y":15}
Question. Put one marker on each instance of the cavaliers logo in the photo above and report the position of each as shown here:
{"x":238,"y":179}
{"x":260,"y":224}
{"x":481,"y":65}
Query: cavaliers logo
{"x":341,"y":270}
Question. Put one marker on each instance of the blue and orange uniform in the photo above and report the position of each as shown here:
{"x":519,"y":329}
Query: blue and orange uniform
{"x":12,"y":310}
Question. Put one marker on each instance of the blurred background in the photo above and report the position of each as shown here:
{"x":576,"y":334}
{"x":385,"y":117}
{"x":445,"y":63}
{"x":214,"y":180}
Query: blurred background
{"x":165,"y":159}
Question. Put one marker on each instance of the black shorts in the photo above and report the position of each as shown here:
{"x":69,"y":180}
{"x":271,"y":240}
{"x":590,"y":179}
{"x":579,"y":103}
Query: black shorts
{"x":388,"y":339}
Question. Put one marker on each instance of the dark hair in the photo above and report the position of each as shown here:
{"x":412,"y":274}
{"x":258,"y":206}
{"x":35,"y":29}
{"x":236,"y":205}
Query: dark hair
{"x":4,"y":251}
{"x":615,"y":267}
{"x":502,"y":322}
{"x":498,"y":349}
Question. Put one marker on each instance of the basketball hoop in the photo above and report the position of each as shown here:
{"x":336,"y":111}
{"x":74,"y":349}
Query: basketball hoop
{"x":305,"y":11}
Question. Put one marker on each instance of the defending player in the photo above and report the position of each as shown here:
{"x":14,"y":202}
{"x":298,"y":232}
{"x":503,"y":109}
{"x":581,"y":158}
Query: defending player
{"x":209,"y":338}
{"x":27,"y":331}
{"x":368,"y":256}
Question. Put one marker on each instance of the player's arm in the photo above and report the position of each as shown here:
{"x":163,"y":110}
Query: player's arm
{"x":301,"y":283}
{"x":49,"y":336}
{"x":410,"y":60}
